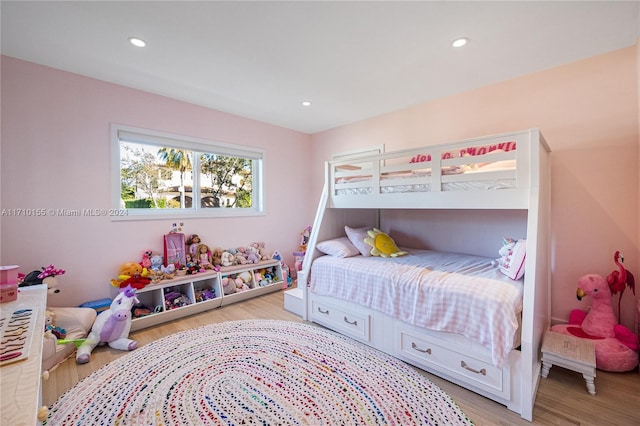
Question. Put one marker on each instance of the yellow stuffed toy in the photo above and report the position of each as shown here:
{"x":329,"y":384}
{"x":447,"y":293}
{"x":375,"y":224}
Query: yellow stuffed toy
{"x":382,"y":244}
{"x":133,"y":274}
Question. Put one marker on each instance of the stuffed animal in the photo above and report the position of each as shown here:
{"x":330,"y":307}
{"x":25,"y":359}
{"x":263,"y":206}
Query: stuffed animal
{"x":228,"y":286}
{"x":216,"y":256}
{"x":241,"y":257}
{"x":262,"y":251}
{"x":111,"y":327}
{"x":252,"y":254}
{"x":45,"y":276}
{"x":146,"y":259}
{"x":260,"y":279}
{"x":504,"y":252}
{"x":512,"y":258}
{"x":227,"y":259}
{"x":132,"y":274}
{"x":168,"y":272}
{"x":156,"y":262}
{"x":241,"y":284}
{"x":616,"y":346}
{"x":245,"y":277}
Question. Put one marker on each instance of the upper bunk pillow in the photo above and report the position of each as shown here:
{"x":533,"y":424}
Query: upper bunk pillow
{"x":338,"y":247}
{"x":357,"y":237}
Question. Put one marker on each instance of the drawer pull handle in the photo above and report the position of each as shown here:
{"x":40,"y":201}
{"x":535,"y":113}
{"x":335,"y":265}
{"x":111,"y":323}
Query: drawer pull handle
{"x":349,"y":322}
{"x":464,"y":365}
{"x":424,"y":351}
{"x":323,"y":312}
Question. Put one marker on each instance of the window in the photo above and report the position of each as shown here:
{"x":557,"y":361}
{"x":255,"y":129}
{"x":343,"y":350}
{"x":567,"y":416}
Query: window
{"x":158,"y":175}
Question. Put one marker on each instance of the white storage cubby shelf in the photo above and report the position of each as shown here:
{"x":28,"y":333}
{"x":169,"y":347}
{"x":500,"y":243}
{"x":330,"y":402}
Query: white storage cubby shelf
{"x":191,"y":286}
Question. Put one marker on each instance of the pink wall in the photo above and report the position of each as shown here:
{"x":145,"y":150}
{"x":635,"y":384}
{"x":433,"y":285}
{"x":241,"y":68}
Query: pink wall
{"x":588,"y":113}
{"x":55,"y":154}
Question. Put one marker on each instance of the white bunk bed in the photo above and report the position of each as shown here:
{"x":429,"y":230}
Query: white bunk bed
{"x":359,"y":190}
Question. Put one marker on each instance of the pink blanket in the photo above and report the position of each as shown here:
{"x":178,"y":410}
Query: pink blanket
{"x":439,"y":291}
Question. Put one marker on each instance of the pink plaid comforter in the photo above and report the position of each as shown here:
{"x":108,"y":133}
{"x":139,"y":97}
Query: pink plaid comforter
{"x":440,"y":291}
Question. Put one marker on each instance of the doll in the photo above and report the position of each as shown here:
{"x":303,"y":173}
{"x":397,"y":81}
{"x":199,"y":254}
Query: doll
{"x":191,"y":265}
{"x":204,"y":256}
{"x":193,"y":242}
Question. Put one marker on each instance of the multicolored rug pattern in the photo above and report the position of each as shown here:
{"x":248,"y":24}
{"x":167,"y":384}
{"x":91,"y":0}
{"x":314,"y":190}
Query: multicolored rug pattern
{"x":256,"y":372}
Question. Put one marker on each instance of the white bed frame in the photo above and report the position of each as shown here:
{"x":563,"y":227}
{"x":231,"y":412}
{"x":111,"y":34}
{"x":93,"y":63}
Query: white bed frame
{"x":450,"y":356}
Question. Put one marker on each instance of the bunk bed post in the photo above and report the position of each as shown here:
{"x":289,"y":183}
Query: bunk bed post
{"x":537,"y":284}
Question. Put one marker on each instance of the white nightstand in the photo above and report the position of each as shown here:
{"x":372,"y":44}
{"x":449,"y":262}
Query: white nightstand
{"x":572,"y":353}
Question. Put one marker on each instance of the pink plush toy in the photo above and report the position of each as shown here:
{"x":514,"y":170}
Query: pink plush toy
{"x":616,"y":346}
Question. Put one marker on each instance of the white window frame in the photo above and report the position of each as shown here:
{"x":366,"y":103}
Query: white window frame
{"x":152,"y":137}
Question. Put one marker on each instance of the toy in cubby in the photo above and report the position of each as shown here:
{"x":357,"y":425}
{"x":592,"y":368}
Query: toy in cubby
{"x":174,"y":298}
{"x":139,"y":310}
{"x":236,"y":283}
{"x":245,"y":281}
{"x":148,"y":305}
{"x":204,"y":294}
{"x":266,"y":276}
{"x":228,"y":286}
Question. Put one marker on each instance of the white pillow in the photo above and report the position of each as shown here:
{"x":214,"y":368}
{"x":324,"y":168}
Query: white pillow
{"x":357,"y":236}
{"x":339,"y":247}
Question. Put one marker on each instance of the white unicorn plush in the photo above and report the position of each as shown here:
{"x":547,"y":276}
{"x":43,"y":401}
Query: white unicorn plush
{"x":111,"y":327}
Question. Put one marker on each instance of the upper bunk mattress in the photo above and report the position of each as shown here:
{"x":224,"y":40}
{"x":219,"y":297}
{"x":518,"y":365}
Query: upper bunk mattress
{"x":440,"y":291}
{"x":402,"y":182}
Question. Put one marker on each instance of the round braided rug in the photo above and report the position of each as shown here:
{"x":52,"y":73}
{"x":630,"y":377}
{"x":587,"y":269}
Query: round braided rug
{"x":256,"y":372}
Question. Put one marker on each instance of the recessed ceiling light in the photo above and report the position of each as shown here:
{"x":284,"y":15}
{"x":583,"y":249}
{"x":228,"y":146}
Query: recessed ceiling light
{"x":306,"y":103}
{"x":459,"y":42}
{"x":138,"y":42}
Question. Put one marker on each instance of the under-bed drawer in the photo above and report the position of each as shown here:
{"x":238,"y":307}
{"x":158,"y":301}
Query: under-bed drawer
{"x":422,"y":349}
{"x":352,"y":324}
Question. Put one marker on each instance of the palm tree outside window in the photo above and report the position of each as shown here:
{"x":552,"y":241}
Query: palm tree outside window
{"x":161,"y":175}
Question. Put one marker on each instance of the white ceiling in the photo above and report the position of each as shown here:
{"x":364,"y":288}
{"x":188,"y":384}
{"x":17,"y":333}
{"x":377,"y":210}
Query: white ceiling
{"x":353,"y":60}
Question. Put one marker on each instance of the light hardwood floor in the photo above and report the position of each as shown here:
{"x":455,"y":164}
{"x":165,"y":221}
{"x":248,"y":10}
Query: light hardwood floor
{"x":562,"y":397}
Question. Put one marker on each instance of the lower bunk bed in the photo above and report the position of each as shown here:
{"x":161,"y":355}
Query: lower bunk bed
{"x":454,"y":315}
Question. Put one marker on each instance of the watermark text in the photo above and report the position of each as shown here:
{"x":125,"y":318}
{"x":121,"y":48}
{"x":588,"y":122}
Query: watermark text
{"x":58,"y":212}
